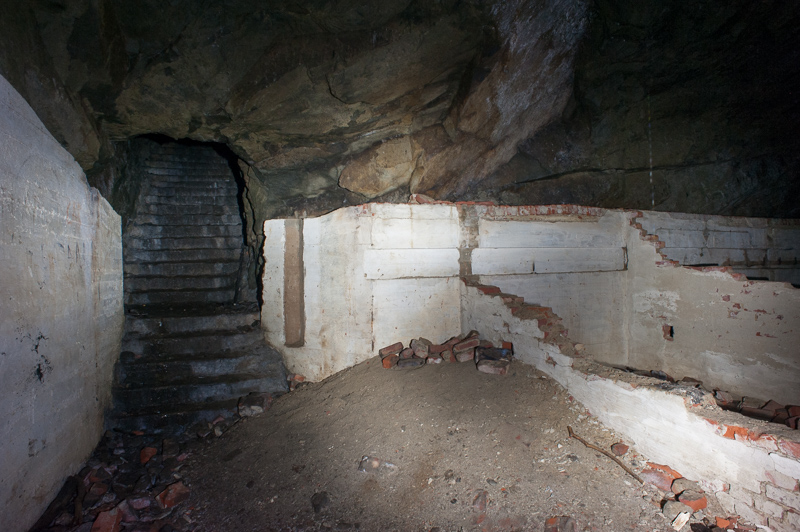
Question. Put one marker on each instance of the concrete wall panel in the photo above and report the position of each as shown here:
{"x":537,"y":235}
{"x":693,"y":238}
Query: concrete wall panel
{"x":61,"y":315}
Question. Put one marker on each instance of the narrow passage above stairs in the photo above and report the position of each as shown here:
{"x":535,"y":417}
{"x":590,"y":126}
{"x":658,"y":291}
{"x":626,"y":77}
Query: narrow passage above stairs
{"x":193,"y":343}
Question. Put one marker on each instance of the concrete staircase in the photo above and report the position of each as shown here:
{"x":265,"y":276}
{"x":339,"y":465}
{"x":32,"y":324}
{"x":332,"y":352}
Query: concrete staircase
{"x":190,"y":349}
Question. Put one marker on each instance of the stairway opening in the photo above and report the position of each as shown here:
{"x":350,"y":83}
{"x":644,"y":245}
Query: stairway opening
{"x":193,"y":344}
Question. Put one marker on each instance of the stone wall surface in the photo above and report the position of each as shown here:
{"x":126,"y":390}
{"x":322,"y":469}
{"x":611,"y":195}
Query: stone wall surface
{"x":61,"y":313}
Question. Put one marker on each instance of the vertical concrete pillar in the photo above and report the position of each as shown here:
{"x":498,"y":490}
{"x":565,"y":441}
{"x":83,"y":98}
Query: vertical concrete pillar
{"x":294,"y":315}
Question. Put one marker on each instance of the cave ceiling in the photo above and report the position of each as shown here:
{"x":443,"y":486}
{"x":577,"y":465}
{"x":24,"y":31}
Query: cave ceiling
{"x":617,"y":103}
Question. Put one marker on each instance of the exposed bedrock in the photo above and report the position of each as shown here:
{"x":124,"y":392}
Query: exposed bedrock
{"x":607,"y":102}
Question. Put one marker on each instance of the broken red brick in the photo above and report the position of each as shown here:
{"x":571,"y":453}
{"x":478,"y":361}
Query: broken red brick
{"x":507,"y":345}
{"x":147,"y":453}
{"x":791,"y":448}
{"x":407,"y":353}
{"x":448,"y":356}
{"x":390,"y":361}
{"x":693,"y":499}
{"x":435,"y":359}
{"x":657,"y":478}
{"x":110,"y":521}
{"x":391,"y":349}
{"x":793,"y":410}
{"x":726,"y":523}
{"x":666,"y":469}
{"x":467,"y":344}
{"x":172,"y":496}
{"x":732,"y":431}
{"x":619,"y":449}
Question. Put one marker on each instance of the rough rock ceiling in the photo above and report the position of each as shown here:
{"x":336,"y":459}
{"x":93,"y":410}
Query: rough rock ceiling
{"x":610,"y":103}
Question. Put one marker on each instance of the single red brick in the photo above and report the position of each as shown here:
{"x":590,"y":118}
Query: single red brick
{"x":465,"y":356}
{"x":472,"y":334}
{"x":391,"y":349}
{"x":448,"y":356}
{"x":772,"y":405}
{"x":172,"y":496}
{"x":147,"y":453}
{"x":619,"y":449}
{"x":486,"y":343}
{"x":493,"y":367}
{"x":390,"y":361}
{"x":793,"y":410}
{"x":507,"y":345}
{"x":467,"y":344}
{"x":407,"y":353}
{"x":693,"y":499}
{"x":110,"y":521}
{"x":438,"y":349}
{"x":486,"y":289}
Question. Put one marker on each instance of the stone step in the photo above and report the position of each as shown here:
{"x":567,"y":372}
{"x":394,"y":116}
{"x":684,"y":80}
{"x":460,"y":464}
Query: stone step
{"x":190,"y":180}
{"x":182,"y":255}
{"x":200,"y":188}
{"x":181,"y":372}
{"x":171,"y":418}
{"x":134,"y":284}
{"x":199,"y":390}
{"x":179,"y":231}
{"x":182,"y":268}
{"x":183,"y":210}
{"x":187,"y":219}
{"x":193,"y":343}
{"x":187,"y":169}
{"x":170,"y":325}
{"x":191,"y":158}
{"x":198,"y":199}
{"x":180,"y":297}
{"x":205,"y":242}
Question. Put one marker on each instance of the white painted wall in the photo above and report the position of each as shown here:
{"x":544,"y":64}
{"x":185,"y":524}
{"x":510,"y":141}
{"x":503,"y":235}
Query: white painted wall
{"x":61,"y":314}
{"x":374,"y":275}
{"x":756,"y":247}
{"x":382,"y":273}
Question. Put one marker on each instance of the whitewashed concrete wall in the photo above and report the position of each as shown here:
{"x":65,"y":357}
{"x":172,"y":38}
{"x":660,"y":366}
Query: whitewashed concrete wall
{"x":61,"y":314}
{"x":573,"y":263}
{"x":374,"y":275}
{"x":753,"y":471}
{"x":379,"y":273}
{"x":733,"y":334}
{"x":756,"y":247}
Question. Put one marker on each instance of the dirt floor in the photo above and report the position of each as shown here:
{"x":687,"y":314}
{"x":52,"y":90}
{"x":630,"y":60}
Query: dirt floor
{"x":459,"y":450}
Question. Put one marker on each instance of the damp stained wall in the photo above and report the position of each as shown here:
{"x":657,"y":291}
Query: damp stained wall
{"x":61,"y":315}
{"x":378,"y":274}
